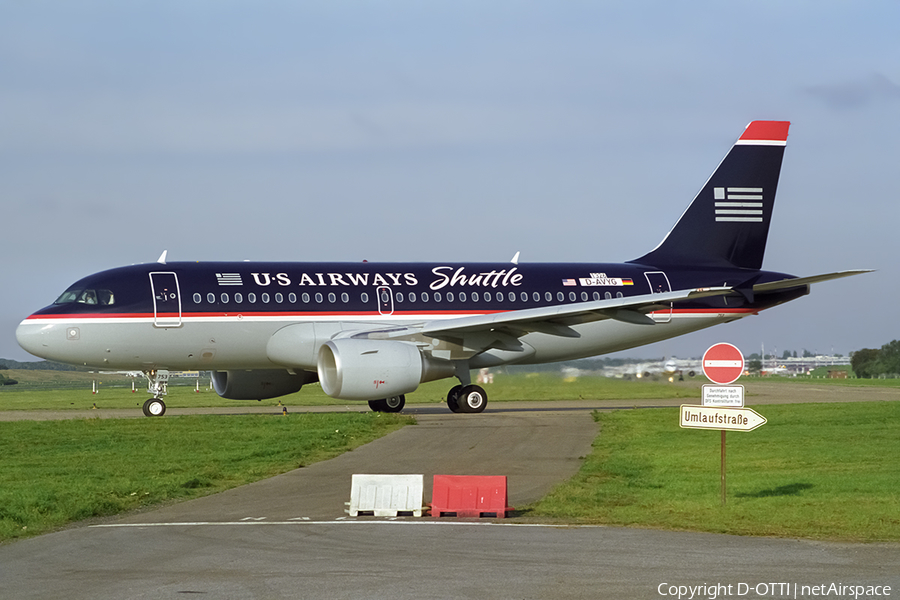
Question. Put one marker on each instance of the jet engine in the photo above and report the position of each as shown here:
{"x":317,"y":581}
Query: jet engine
{"x":260,"y":384}
{"x":363,"y":369}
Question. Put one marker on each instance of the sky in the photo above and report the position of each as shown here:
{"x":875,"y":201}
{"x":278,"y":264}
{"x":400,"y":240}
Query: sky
{"x":446,"y":131}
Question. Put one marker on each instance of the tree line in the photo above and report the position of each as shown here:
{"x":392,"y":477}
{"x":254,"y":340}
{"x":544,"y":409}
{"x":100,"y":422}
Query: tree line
{"x":872,"y":362}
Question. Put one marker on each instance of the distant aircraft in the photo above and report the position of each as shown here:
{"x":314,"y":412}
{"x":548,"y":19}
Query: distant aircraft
{"x":373,"y":332}
{"x":776,"y":371}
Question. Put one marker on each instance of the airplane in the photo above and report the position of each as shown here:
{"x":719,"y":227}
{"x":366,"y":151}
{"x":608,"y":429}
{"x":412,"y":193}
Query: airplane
{"x":373,"y":332}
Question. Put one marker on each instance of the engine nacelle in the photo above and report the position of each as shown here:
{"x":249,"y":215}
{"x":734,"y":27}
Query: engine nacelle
{"x":361,"y":369}
{"x":260,"y":384}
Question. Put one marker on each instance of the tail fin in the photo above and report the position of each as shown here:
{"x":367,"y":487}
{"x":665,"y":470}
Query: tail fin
{"x":728,"y":222}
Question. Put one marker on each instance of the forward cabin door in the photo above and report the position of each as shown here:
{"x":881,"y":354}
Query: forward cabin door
{"x":659,"y":284}
{"x":166,"y":299}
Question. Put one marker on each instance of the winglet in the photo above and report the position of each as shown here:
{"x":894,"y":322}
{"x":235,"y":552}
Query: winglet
{"x":162,"y":258}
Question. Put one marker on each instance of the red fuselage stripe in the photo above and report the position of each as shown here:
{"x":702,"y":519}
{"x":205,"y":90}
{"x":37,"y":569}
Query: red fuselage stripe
{"x":373,"y":314}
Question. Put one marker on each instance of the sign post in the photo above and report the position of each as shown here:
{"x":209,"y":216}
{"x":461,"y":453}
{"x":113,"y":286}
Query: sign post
{"x":723,"y":404}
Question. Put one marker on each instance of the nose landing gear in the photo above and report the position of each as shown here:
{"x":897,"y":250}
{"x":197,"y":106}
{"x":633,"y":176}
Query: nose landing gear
{"x":158,"y":386}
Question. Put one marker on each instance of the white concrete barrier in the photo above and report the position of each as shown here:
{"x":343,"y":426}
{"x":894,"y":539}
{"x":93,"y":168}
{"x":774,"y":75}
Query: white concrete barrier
{"x":386,"y":495}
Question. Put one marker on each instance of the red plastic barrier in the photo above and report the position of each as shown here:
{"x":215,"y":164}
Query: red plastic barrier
{"x":469,"y":495}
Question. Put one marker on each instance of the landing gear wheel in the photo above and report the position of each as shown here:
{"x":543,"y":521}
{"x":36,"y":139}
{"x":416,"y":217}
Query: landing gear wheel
{"x":154,"y":407}
{"x":394,"y":404}
{"x":453,"y":398}
{"x":472,"y":399}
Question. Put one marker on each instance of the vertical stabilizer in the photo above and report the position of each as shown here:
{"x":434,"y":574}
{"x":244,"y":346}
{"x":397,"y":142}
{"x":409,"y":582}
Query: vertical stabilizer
{"x":727,"y":224}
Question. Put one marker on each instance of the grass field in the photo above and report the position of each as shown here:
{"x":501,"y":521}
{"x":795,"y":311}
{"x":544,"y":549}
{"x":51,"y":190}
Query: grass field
{"x":820,"y":471}
{"x":823,"y":471}
{"x":543,"y":386}
{"x":56,"y":472}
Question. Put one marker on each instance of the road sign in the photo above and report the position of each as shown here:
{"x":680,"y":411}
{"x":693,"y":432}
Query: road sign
{"x":723,"y":363}
{"x":726,"y":419}
{"x":723,"y":395}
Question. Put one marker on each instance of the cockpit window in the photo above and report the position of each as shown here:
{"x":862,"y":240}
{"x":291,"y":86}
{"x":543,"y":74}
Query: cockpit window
{"x":92,"y":297}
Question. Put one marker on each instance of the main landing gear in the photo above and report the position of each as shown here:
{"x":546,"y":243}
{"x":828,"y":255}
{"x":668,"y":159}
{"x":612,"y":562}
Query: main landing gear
{"x":467,"y":399}
{"x":463,"y":398}
{"x":158,"y":386}
{"x":394,"y":404}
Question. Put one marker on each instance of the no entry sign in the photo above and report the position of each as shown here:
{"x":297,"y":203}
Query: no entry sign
{"x":723,"y":363}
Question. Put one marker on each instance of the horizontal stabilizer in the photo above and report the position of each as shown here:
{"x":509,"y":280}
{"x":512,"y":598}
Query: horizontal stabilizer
{"x":783,"y":284}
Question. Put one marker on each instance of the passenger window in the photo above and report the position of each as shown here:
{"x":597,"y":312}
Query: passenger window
{"x":499,"y":296}
{"x":251,"y":298}
{"x":512,"y":297}
{"x":279,"y":298}
{"x":608,"y":296}
{"x":265,"y":298}
{"x":462,"y":297}
{"x":224,"y":297}
{"x":619,"y":295}
{"x":571,"y":296}
{"x":211,"y":298}
{"x":331,"y":297}
{"x":437,"y":296}
{"x":584,"y":296}
{"x":412,"y":296}
{"x":292,"y":298}
{"x":524,"y":296}
{"x":474,"y":296}
{"x":365,"y":298}
{"x":319,"y":297}
{"x":424,"y":296}
{"x":399,"y":297}
{"x":596,"y":295}
{"x":238,"y":297}
{"x":305,"y":298}
{"x":197,"y":298}
{"x":345,"y":297}
{"x":536,"y":296}
{"x":449,"y":296}
{"x":560,"y":296}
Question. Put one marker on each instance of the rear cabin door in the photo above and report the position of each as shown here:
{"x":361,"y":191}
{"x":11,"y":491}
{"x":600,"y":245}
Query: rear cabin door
{"x":659,"y":284}
{"x":166,"y":299}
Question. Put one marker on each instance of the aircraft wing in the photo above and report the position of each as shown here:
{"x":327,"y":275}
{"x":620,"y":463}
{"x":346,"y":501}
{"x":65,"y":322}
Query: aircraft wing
{"x":556,"y":320}
{"x":783,"y":284}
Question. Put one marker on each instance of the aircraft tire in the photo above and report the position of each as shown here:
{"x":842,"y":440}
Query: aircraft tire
{"x":154,"y":407}
{"x":472,"y":399}
{"x":378,"y":405}
{"x":394,"y":404}
{"x":453,"y":399}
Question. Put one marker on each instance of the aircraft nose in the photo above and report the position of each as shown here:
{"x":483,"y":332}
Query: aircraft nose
{"x":31,"y":338}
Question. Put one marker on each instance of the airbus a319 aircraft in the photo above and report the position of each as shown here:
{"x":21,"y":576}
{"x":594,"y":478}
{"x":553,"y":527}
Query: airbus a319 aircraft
{"x":375,"y":331}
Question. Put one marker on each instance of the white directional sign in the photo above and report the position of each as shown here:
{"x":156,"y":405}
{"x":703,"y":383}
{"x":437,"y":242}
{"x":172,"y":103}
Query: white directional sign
{"x":713,"y":417}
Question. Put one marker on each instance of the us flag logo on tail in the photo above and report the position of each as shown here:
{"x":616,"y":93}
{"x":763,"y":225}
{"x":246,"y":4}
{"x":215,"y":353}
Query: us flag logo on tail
{"x":742,"y":204}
